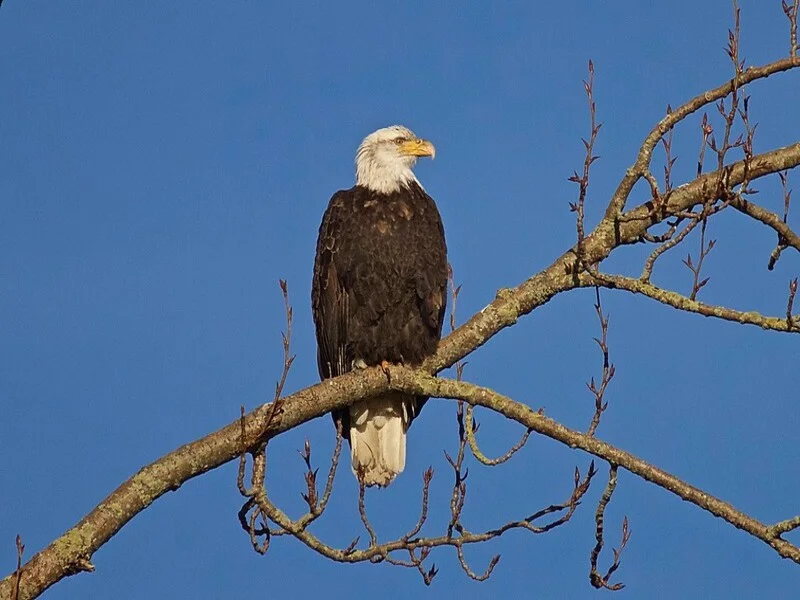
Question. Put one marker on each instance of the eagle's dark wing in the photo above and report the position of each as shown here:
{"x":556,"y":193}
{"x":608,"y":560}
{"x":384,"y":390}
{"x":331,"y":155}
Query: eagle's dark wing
{"x":330,"y":301}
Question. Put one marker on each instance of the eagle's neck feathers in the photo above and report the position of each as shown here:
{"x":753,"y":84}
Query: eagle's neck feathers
{"x":384,"y":173}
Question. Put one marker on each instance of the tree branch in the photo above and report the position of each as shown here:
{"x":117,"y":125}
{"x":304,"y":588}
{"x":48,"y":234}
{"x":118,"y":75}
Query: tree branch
{"x":785,"y":233}
{"x":410,"y":381}
{"x":681,"y":302}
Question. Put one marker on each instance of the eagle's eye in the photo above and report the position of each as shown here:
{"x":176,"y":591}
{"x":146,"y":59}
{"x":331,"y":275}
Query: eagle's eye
{"x":400,"y":140}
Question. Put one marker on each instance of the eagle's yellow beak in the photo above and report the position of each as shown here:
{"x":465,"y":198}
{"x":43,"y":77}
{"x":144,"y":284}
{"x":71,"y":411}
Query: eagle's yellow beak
{"x":418,"y":148}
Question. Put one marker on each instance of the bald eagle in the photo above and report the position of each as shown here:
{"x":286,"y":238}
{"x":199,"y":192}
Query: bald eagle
{"x":379,"y":291}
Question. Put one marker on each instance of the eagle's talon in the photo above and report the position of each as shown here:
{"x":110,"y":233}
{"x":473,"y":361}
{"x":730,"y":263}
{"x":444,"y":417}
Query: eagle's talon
{"x":385,"y":364}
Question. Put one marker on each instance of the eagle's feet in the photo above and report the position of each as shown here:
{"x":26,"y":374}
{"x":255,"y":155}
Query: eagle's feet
{"x":385,"y":364}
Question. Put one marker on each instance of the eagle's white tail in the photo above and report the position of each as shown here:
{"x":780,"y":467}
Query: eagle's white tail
{"x":378,"y":438}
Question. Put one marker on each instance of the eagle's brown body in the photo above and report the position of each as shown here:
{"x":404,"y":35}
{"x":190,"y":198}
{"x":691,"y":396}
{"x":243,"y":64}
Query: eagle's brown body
{"x":379,"y":294}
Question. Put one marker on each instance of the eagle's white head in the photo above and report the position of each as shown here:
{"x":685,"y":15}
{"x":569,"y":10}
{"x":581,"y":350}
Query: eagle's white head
{"x":385,"y":158}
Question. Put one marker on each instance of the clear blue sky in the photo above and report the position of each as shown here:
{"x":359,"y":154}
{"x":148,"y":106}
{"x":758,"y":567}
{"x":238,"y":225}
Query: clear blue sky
{"x":164,"y":164}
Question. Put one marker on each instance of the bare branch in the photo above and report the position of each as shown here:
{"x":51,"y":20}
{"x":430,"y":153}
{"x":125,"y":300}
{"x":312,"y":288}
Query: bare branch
{"x":455,"y":290}
{"x":583,"y":179}
{"x":786,"y":236}
{"x":459,"y":492}
{"x":471,"y":430}
{"x":707,"y":131}
{"x":782,"y":527}
{"x":18,"y":571}
{"x":671,"y":242}
{"x":597,"y":580}
{"x":790,"y":324}
{"x":427,"y":476}
{"x":705,"y":249}
{"x":676,"y":300}
{"x":362,"y":511}
{"x":198,"y":457}
{"x":61,"y":558}
{"x":286,"y":338}
{"x":669,"y":161}
{"x":599,"y":392}
{"x":787,"y":194}
{"x":729,"y":115}
{"x":470,"y":573}
{"x":791,"y":13}
{"x":316,"y":508}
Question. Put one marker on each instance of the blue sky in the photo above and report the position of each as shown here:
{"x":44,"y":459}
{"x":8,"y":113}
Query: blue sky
{"x":164,"y":165}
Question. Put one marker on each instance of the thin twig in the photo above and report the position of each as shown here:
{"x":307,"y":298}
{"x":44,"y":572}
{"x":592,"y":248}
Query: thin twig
{"x":782,"y":527}
{"x":790,"y":304}
{"x":362,"y":511}
{"x":729,"y":115}
{"x":707,"y":130}
{"x":783,"y":241}
{"x":597,"y":580}
{"x":18,"y":571}
{"x":647,"y":271}
{"x":669,"y":161}
{"x":470,"y":573}
{"x":705,"y":249}
{"x":747,"y":145}
{"x":791,"y":13}
{"x":472,"y":428}
{"x":599,"y":391}
{"x":427,"y":476}
{"x":459,"y":493}
{"x":583,"y":179}
{"x":310,"y":496}
{"x":242,"y":456}
{"x":286,"y":338}
{"x":787,"y":194}
{"x":317,"y":506}
{"x":455,"y":290}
